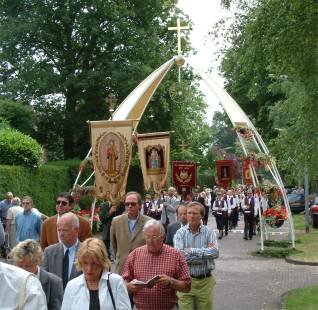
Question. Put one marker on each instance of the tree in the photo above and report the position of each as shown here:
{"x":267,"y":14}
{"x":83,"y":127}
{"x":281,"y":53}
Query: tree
{"x":83,"y":50}
{"x":272,"y":68}
{"x":18,"y":115}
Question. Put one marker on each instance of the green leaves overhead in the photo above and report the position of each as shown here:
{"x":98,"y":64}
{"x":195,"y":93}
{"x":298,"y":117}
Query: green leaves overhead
{"x":271,"y":70}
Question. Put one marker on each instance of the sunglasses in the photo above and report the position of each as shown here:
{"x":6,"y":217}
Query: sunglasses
{"x":64,"y":203}
{"x":133,"y":204}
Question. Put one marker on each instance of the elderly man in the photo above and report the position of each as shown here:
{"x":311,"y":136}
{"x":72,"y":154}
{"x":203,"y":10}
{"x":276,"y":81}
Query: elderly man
{"x":4,"y":207}
{"x":126,"y":230}
{"x":198,"y":244}
{"x":59,"y":258}
{"x":27,"y":223}
{"x":49,"y":234}
{"x":169,"y":215}
{"x":151,"y":260}
{"x":172,"y":228}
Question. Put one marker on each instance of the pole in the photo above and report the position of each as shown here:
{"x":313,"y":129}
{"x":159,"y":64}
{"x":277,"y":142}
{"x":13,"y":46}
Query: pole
{"x":306,"y":185}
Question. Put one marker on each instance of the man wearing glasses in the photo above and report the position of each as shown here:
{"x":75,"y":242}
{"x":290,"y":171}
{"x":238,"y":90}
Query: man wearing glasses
{"x":49,"y":233}
{"x":126,"y":230}
{"x":163,"y":265}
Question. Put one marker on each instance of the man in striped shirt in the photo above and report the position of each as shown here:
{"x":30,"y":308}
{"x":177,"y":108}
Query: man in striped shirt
{"x":198,"y":244}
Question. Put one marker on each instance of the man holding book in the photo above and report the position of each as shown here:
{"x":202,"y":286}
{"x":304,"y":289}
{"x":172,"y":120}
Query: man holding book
{"x":155,"y":271}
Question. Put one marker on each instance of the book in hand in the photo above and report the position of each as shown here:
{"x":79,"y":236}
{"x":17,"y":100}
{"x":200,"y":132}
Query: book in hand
{"x":149,"y":284}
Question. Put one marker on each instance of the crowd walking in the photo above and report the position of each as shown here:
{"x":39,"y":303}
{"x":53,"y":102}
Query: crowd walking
{"x":163,"y":250}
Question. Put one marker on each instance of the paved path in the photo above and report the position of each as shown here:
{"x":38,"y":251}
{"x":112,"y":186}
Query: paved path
{"x":246,"y":282}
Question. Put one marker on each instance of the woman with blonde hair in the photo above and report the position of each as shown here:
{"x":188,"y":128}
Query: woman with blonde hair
{"x":96,"y":288}
{"x":28,"y":255}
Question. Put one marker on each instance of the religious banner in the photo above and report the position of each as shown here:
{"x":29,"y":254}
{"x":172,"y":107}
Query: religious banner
{"x":247,"y":176}
{"x":225,"y":172}
{"x":154,"y":156}
{"x":111,"y":153}
{"x":184,"y":175}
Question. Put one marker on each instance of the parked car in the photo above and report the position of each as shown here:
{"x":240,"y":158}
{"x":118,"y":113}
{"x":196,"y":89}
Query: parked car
{"x":296,"y":202}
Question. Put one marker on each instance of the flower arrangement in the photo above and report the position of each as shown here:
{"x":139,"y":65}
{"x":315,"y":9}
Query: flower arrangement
{"x":275,"y":216}
{"x":87,"y":214}
{"x":258,"y":159}
{"x":88,"y":161}
{"x":243,"y":131}
{"x":81,"y":191}
{"x":272,"y":192}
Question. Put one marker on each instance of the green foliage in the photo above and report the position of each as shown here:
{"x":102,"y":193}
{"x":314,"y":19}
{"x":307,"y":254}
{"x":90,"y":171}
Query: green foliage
{"x":276,"y":252}
{"x":301,"y":298}
{"x":83,"y":51}
{"x":42,"y":183}
{"x":20,"y":116}
{"x":271,"y":70}
{"x":18,"y":149}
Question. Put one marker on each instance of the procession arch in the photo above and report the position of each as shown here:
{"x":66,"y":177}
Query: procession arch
{"x":254,"y":148}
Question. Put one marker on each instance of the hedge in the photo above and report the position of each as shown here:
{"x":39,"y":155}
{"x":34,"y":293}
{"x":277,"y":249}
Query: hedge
{"x":44,"y":182}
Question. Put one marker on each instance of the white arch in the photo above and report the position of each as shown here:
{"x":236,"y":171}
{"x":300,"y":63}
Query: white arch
{"x":136,"y":102}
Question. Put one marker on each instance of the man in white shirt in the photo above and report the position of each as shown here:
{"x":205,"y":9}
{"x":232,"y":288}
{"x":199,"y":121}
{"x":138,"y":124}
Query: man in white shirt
{"x":15,"y":280}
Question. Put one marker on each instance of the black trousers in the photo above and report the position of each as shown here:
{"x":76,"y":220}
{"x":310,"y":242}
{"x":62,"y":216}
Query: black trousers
{"x":226,"y":222}
{"x":219,"y":221}
{"x":234,"y":216}
{"x":248,"y":225}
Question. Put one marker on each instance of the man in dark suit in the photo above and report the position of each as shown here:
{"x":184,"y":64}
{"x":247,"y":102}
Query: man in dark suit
{"x":53,"y":289}
{"x":60,"y":258}
{"x":64,"y":204}
{"x":172,"y":228}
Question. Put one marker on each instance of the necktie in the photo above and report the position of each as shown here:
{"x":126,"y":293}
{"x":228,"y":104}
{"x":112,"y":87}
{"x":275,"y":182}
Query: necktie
{"x":65,"y":268}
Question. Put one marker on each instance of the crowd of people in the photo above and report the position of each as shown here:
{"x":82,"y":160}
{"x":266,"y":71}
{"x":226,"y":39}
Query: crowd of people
{"x":162,"y":249}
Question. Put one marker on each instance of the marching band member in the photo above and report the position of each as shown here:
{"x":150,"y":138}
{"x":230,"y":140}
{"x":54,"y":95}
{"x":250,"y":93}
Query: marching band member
{"x":219,"y":208}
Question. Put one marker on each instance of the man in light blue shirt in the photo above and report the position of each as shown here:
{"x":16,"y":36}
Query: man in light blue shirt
{"x":4,"y":207}
{"x":27,"y":223}
{"x":198,"y":244}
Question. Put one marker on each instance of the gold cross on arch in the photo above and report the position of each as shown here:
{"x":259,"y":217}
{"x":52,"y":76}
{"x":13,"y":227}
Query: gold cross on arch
{"x":179,"y":28}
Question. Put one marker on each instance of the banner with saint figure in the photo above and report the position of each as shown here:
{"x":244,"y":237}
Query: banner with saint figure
{"x":225,"y":172}
{"x":111,"y":153}
{"x":247,"y":176}
{"x":154,"y":156}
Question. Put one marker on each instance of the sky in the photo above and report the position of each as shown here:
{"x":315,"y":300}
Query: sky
{"x":204,"y":14}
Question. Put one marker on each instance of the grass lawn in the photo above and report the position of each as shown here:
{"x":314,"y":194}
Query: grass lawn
{"x":306,"y":244}
{"x":301,"y":298}
{"x":307,"y":247}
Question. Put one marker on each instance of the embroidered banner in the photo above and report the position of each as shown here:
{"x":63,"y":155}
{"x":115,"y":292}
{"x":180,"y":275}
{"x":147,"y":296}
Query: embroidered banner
{"x":225,"y":173}
{"x":111,"y":153}
{"x":154,"y":156}
{"x":184,"y":174}
{"x":247,"y":177}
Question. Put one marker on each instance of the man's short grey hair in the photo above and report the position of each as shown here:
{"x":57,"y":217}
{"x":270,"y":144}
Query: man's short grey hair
{"x":71,"y":218}
{"x":155,"y":223}
{"x":29,"y":248}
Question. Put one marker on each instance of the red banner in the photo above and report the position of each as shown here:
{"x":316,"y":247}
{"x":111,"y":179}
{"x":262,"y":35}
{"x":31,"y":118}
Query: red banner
{"x":247,"y":177}
{"x":225,"y":172}
{"x":184,"y":174}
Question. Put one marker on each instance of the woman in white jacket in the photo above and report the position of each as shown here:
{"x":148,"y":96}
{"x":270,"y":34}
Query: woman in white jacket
{"x":96,"y":288}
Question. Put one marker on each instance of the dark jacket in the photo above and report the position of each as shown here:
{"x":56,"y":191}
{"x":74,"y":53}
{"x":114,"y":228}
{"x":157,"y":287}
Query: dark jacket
{"x":53,"y":288}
